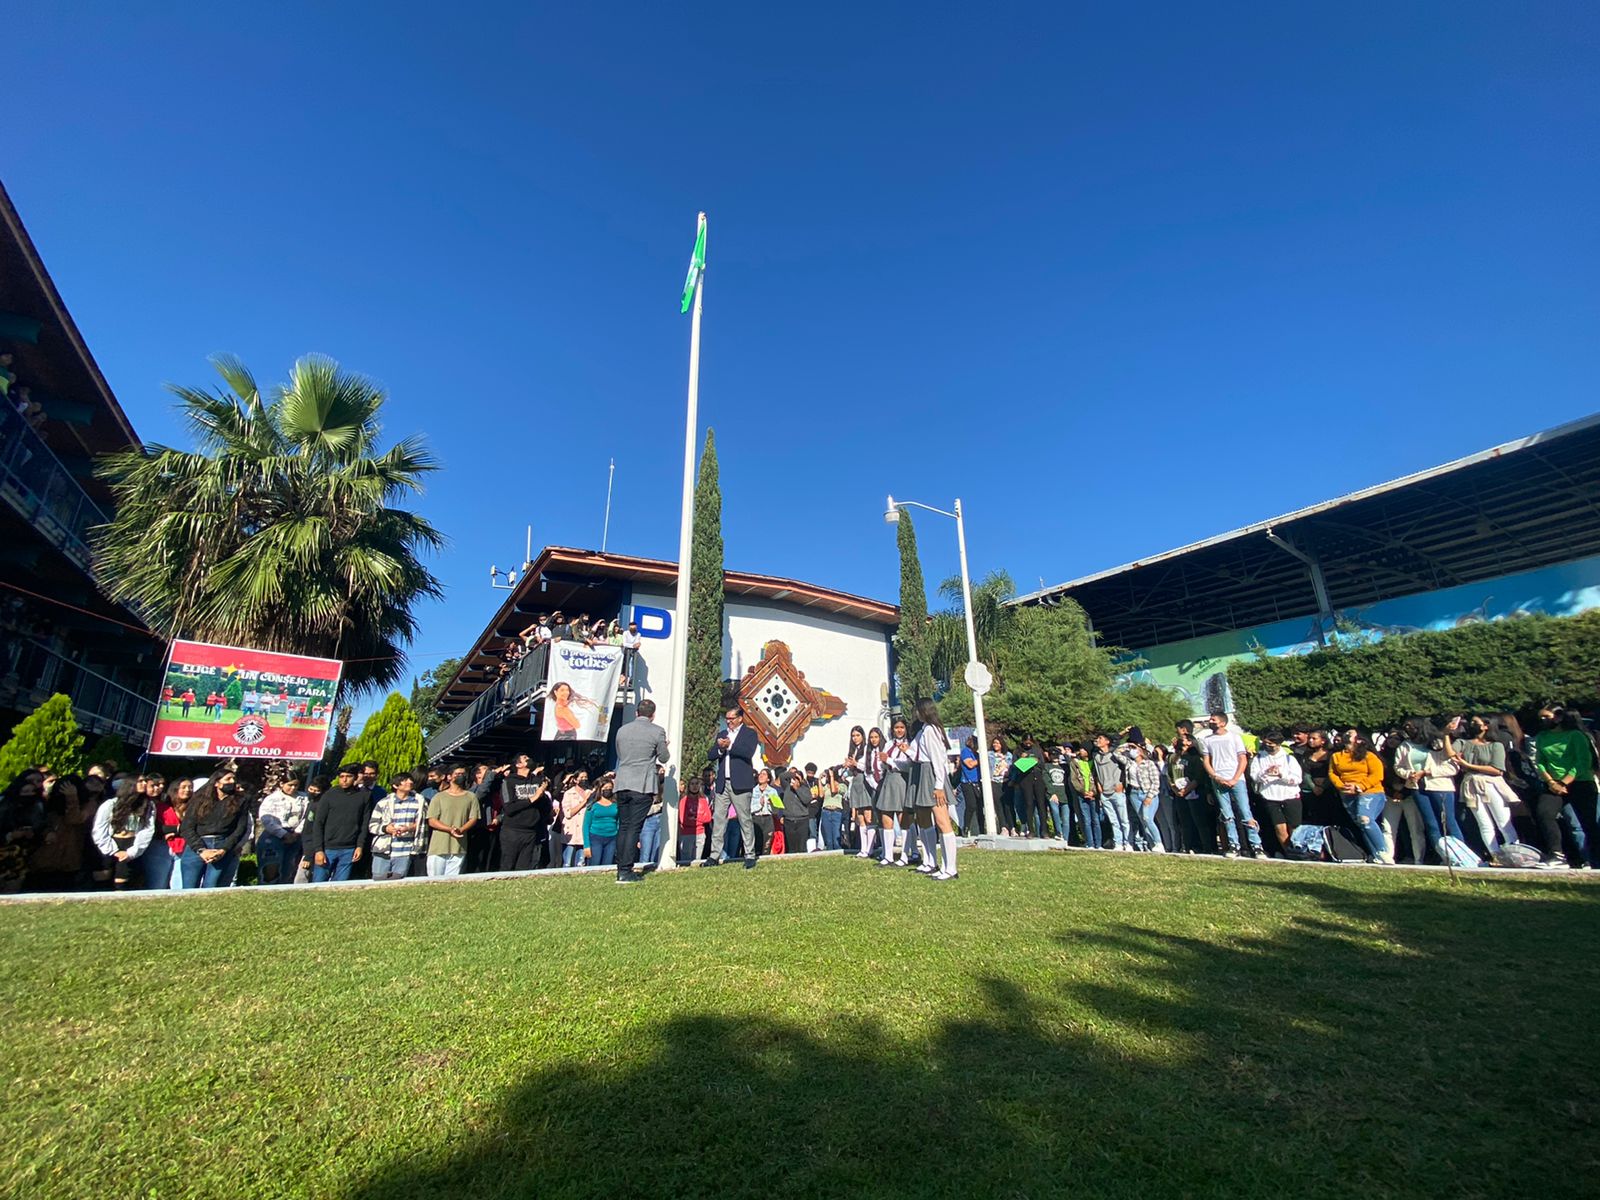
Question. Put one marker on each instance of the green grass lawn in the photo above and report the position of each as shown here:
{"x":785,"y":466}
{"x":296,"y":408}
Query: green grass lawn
{"x":1048,"y":1025}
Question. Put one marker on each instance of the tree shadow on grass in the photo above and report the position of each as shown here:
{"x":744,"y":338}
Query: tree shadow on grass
{"x":1418,"y":1043}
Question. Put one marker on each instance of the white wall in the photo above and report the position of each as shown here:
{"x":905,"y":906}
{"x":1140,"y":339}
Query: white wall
{"x":849,"y":658}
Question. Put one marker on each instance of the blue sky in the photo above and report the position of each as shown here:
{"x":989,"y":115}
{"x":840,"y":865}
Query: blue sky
{"x":1119,"y":279}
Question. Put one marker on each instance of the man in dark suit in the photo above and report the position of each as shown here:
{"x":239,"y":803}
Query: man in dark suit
{"x":641,"y":753}
{"x":734,"y":754}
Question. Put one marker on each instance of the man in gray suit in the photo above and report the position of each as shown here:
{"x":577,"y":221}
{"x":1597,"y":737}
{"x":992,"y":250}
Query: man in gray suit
{"x":641,"y":756}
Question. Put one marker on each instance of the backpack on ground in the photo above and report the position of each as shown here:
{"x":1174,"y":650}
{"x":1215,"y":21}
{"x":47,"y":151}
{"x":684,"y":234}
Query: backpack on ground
{"x":1340,"y":848}
{"x":1457,"y":853}
{"x":1515,"y":854}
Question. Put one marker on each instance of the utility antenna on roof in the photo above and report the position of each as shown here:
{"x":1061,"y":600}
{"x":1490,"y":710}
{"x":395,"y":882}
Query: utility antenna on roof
{"x":510,"y":577}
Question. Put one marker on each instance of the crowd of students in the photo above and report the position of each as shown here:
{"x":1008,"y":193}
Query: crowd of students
{"x":1454,"y":785}
{"x":558,"y":627}
{"x":110,"y":829}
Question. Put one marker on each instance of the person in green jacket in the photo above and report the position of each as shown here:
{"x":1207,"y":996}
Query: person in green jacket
{"x":1566,"y":761}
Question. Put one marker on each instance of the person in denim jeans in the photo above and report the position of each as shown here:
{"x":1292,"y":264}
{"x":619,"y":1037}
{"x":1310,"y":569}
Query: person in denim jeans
{"x":396,"y":828}
{"x":1357,"y":772}
{"x":1080,"y":779}
{"x":1111,"y":788}
{"x":832,"y":817}
{"x":1226,"y":760}
{"x":600,"y":827}
{"x":283,"y":820}
{"x":336,"y":827}
{"x":650,"y":836}
{"x":214,"y":825}
{"x":1144,"y":794}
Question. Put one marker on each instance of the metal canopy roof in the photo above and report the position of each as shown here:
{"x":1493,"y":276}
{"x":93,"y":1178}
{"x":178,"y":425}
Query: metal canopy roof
{"x":1523,"y":505}
{"x":575,"y":581}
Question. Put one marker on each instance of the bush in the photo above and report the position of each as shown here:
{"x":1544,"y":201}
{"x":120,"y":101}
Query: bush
{"x":48,"y":737}
{"x":112,"y":749}
{"x":1498,"y":666}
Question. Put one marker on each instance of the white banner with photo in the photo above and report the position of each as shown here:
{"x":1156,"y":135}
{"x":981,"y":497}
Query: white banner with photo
{"x":581,"y":692}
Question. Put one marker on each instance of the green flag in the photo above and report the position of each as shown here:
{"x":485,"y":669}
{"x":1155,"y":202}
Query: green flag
{"x":696,"y":264}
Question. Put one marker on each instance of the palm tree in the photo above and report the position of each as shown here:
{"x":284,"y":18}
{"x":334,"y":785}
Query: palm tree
{"x":991,"y":620}
{"x":279,"y":530}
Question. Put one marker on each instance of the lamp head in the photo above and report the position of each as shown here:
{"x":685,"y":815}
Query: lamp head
{"x":891,"y":515}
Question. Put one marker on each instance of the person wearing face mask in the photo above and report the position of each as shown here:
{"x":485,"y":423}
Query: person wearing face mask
{"x":1566,"y":764}
{"x":451,"y":817}
{"x":215,"y":823}
{"x":337,"y":830}
{"x":1484,"y":790}
{"x":1277,"y":775}
{"x":1225,"y":762}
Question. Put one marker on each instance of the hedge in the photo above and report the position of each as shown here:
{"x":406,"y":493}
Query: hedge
{"x":1499,"y":666}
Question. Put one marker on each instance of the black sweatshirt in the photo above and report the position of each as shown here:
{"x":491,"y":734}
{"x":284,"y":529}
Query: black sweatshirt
{"x":339,"y":820}
{"x":521,"y":812}
{"x":219,"y":822}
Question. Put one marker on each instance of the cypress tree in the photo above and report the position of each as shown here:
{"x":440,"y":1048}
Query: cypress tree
{"x":703,"y":684}
{"x":392,"y":739}
{"x":109,"y":748}
{"x":48,"y":738}
{"x":913,"y":656}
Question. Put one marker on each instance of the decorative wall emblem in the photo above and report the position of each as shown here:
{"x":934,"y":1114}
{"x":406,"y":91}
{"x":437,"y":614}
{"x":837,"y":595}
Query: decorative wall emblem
{"x":780,"y":705}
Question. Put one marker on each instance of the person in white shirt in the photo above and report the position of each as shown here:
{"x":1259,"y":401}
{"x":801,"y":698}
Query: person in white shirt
{"x":893,"y":804}
{"x":283,"y":821}
{"x":122,"y":829}
{"x":932,"y":754}
{"x":1225,"y":755}
{"x":1276,"y":774}
{"x":630,"y":651}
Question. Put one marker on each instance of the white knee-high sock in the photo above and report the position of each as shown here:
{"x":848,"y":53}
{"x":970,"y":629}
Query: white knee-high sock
{"x":949,"y":840}
{"x":869,"y":835}
{"x":926,"y":835}
{"x":888,"y":843}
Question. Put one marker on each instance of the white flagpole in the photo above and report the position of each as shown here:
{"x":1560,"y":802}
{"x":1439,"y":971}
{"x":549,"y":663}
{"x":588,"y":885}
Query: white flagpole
{"x":680,"y":613}
{"x":605,"y":532}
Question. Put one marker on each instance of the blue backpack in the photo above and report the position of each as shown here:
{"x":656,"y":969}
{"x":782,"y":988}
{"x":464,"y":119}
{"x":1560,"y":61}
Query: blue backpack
{"x":1457,"y":853}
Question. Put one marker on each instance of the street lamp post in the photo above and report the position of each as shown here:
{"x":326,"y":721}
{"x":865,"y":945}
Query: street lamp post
{"x":976,"y":675}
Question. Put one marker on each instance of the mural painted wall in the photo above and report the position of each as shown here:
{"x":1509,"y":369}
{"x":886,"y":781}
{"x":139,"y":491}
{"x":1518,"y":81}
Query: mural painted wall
{"x":846,"y":660}
{"x":1196,"y":666}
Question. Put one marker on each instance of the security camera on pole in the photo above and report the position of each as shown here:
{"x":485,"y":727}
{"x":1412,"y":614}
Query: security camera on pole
{"x":976,"y":674}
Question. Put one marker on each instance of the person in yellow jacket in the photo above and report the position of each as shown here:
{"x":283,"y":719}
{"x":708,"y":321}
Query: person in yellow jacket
{"x":1356,"y":772}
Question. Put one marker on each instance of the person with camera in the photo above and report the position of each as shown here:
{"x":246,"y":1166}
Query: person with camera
{"x":526,"y":814}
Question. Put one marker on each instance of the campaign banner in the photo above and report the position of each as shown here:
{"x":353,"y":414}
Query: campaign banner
{"x":228,"y":701}
{"x":582,"y":692}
